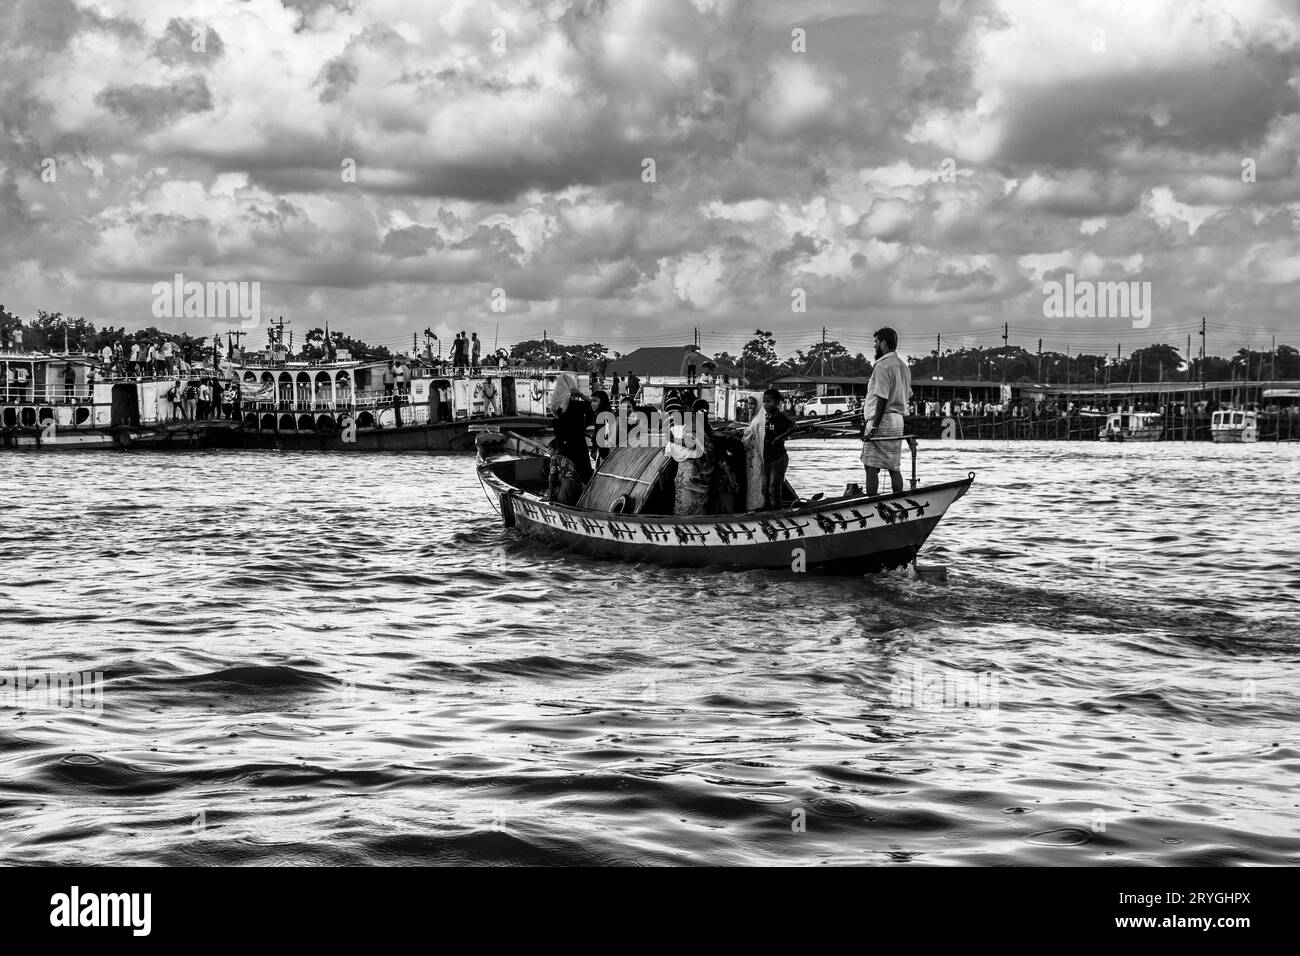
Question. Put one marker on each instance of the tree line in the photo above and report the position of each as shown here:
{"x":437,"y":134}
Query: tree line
{"x":757,"y":363}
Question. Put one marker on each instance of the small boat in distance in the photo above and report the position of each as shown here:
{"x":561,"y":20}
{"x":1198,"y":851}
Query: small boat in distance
{"x":850,"y":533}
{"x":1234,"y":425}
{"x":1132,"y":426}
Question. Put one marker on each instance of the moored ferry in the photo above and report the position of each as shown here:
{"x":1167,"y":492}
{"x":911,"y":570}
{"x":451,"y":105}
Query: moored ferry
{"x":406,"y":403}
{"x":69,"y":401}
{"x":1234,"y":425}
{"x":1132,"y":426}
{"x":379,"y":405}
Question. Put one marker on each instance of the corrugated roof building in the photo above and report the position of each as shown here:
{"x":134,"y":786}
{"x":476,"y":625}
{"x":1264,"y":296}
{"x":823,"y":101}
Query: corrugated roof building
{"x":670,"y":362}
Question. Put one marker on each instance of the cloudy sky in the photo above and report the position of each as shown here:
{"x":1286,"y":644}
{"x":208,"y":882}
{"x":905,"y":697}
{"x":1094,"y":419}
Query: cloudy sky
{"x":923,"y":163}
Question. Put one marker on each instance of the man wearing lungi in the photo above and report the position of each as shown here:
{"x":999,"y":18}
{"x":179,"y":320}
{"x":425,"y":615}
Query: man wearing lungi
{"x":888,"y":392}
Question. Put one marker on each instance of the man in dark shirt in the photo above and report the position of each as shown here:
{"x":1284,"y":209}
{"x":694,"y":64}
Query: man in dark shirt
{"x":775,"y":459}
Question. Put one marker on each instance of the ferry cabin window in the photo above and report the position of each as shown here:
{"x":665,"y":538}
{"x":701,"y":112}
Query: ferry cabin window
{"x":363,"y":379}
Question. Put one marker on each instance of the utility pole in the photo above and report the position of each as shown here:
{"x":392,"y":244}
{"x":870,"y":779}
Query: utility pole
{"x":1004,"y":352}
{"x":938,"y":355}
{"x":1040,"y":360}
{"x":1202,"y":350}
{"x":546,"y":350}
{"x":1273,"y":375}
{"x":823,"y":352}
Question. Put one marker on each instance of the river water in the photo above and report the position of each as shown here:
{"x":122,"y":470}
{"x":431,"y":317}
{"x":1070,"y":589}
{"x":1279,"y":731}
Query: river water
{"x":342,"y":658}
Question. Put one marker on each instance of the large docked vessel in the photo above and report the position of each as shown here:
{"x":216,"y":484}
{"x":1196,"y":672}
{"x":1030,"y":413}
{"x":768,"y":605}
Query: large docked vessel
{"x":378,"y":405}
{"x":66,"y":402}
{"x":74,"y":400}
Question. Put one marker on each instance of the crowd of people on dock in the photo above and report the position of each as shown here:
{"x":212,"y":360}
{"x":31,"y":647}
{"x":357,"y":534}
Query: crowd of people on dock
{"x":205,"y":399}
{"x":729,"y":468}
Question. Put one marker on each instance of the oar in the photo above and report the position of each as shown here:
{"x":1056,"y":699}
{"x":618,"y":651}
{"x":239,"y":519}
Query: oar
{"x":534,"y":445}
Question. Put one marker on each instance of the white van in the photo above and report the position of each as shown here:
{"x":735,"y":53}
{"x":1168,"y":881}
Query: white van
{"x":824,"y":405}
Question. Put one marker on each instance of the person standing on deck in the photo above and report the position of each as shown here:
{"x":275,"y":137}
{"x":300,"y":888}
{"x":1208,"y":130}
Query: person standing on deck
{"x":776,"y":427}
{"x":476,"y":348}
{"x":753,"y":441}
{"x":882,"y":416}
{"x":613,"y":390}
{"x":692,"y":448}
{"x":573,"y":414}
{"x":633,"y":387}
{"x":489,"y":398}
{"x":601,"y":438}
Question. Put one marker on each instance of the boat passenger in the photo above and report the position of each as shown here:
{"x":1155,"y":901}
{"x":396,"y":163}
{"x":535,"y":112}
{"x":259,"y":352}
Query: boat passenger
{"x":753,"y":440}
{"x":887,"y":394}
{"x":563,"y":485}
{"x":573,"y":414}
{"x":489,"y":398}
{"x":601,"y":439}
{"x":692,"y":448}
{"x":776,"y":427}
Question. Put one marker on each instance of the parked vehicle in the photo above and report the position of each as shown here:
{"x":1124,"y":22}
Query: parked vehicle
{"x":828,"y":405}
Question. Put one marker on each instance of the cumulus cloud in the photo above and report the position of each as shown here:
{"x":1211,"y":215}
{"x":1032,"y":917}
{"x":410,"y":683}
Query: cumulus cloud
{"x":389,"y":163}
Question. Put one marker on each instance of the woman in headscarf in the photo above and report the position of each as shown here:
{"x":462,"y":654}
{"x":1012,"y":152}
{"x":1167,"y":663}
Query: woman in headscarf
{"x":602,"y":439}
{"x":755,"y":432}
{"x":573,"y":413}
{"x":690,"y":445}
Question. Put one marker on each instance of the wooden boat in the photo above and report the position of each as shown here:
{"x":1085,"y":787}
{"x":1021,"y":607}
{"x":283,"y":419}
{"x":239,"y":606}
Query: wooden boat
{"x":849,"y":533}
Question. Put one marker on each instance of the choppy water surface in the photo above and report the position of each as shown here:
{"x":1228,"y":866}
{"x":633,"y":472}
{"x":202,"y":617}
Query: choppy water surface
{"x":315,"y":658}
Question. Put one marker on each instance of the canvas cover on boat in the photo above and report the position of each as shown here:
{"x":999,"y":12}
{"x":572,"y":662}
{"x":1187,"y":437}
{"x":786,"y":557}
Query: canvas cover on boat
{"x":633,"y":472}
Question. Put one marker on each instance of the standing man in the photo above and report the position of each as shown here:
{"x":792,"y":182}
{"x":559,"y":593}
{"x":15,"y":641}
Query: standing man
{"x":887,"y":394}
{"x":204,"y":399}
{"x":633,"y":387}
{"x":475,"y":349}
